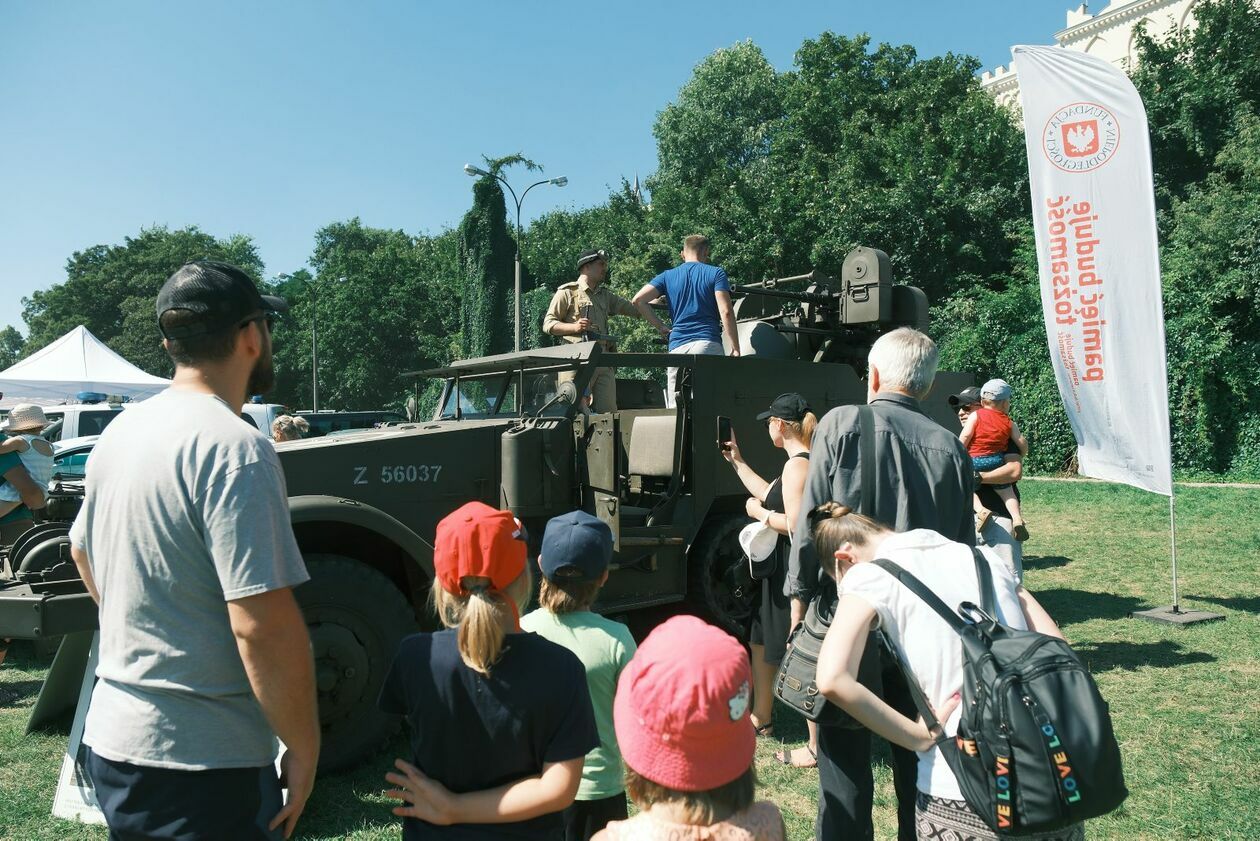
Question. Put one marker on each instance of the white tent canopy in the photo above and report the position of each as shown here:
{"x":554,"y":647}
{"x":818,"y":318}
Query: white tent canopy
{"x":76,"y":362}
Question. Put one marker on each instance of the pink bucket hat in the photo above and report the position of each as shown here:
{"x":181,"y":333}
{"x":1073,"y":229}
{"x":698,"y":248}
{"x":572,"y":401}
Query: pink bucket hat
{"x":681,"y":711}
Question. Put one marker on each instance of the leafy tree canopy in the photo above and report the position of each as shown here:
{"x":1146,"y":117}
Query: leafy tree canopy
{"x":385,"y":303}
{"x":111,"y":290}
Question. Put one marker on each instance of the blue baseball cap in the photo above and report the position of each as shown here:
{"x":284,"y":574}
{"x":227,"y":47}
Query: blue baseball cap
{"x":576,"y":547}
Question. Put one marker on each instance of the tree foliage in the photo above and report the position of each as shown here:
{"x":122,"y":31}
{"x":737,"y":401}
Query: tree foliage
{"x":1199,"y":86}
{"x":111,"y":290}
{"x":487,"y":257}
{"x":854,"y":146}
{"x":395,"y":311}
{"x":11,"y":343}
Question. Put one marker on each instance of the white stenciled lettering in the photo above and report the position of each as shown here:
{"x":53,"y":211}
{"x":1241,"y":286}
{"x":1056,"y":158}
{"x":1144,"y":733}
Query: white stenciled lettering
{"x":409,"y":474}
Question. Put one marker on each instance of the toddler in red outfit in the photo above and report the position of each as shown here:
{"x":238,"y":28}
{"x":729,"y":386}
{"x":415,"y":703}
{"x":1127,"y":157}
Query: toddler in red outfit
{"x":987,"y":435}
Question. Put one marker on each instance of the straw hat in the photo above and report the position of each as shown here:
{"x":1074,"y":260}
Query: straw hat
{"x":25,"y":417}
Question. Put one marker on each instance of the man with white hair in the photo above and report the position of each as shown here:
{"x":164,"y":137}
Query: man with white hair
{"x":923,"y":480}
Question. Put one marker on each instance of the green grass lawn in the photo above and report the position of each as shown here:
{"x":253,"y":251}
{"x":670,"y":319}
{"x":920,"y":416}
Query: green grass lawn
{"x":1186,"y":701}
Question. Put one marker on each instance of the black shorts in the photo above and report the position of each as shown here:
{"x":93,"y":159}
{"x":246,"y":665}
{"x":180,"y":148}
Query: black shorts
{"x":142,"y":802}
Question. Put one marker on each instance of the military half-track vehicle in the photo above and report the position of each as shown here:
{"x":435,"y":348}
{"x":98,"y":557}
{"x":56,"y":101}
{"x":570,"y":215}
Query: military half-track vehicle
{"x":510,"y":431}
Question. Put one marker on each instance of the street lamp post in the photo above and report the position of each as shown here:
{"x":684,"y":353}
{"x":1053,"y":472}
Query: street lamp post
{"x":311,"y":287}
{"x":557,"y":182}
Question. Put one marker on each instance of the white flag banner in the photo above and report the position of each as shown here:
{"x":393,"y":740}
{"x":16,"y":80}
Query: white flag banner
{"x":1089,"y":164}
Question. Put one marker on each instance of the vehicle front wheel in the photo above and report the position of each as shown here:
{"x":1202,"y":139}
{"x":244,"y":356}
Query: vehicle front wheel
{"x":356,"y":617}
{"x":719,"y":581}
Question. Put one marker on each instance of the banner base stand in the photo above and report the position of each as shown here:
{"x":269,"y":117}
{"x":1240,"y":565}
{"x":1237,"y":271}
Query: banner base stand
{"x":1174,"y":615}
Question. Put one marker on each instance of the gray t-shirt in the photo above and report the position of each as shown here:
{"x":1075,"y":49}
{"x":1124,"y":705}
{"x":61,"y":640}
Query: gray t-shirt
{"x":185,"y":510}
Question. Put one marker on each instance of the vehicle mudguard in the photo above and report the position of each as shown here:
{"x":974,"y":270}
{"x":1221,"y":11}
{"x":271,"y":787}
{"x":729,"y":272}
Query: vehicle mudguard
{"x":335,"y":509}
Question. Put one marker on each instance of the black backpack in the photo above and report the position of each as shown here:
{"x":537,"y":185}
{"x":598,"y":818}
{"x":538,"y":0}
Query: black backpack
{"x":1034,"y":751}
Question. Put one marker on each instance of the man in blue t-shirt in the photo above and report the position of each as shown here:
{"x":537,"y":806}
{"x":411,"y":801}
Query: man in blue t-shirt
{"x":699,"y":298}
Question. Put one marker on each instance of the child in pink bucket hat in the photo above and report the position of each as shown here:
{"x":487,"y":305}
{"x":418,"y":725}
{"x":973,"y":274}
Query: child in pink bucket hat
{"x":681,"y":716}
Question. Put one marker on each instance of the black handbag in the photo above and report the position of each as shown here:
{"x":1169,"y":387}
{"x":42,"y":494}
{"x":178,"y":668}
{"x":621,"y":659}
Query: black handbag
{"x":796,"y":683}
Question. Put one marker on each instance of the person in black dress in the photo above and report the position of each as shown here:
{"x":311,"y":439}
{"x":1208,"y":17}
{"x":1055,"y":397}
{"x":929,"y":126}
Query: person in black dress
{"x":790,"y":425}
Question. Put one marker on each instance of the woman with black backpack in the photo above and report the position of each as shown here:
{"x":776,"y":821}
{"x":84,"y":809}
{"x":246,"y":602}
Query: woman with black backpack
{"x":870,"y":598}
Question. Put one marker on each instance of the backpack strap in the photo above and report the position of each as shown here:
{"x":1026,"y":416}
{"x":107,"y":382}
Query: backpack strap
{"x":866,"y":455}
{"x":984,"y":577}
{"x":917,"y":587}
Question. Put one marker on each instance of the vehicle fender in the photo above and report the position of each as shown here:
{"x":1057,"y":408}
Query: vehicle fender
{"x":334,"y":509}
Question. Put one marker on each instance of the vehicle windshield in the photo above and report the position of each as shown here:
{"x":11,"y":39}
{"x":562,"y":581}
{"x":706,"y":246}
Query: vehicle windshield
{"x":496,"y":395}
{"x":71,"y":464}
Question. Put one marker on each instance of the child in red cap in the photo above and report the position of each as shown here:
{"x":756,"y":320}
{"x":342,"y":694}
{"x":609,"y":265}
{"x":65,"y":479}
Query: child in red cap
{"x":681,"y":716}
{"x":500,"y":720}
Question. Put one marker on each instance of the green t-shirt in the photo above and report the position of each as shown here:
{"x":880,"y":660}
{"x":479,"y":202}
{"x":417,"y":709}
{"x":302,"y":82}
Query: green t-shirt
{"x":8,"y":461}
{"x":604,"y":647}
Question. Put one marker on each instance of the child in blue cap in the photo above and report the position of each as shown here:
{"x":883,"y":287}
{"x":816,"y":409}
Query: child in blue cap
{"x":576,"y":551}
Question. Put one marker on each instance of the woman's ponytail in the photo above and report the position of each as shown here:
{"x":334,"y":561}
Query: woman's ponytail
{"x":481,"y":617}
{"x":834,"y":525}
{"x":480,"y":636}
{"x":808,"y":424}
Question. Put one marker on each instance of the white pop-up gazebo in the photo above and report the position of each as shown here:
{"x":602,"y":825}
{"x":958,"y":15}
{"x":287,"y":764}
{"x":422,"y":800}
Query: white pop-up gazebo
{"x":76,"y":362}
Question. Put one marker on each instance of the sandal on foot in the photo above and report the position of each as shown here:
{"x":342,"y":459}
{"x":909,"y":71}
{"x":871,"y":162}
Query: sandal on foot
{"x":1020,"y":532}
{"x":785,"y":758}
{"x":765,"y":730}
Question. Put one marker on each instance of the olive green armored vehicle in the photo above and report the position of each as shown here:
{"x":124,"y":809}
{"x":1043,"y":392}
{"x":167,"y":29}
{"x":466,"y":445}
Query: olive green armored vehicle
{"x":511,"y":431}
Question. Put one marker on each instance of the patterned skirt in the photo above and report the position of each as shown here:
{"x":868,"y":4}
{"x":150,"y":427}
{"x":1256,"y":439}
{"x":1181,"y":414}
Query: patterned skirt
{"x":937,"y":819}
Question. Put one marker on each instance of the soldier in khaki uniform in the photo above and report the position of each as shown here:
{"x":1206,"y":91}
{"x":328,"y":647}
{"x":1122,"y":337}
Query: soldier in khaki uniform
{"x":579,"y":312}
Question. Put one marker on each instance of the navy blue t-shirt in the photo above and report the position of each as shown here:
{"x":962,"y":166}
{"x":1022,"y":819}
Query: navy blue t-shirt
{"x":470,"y":732}
{"x":692,"y":305}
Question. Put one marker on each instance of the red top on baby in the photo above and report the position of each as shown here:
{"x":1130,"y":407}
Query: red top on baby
{"x":993,"y":433}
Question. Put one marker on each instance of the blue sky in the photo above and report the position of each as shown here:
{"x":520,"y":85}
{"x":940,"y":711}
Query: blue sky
{"x":274,"y":119}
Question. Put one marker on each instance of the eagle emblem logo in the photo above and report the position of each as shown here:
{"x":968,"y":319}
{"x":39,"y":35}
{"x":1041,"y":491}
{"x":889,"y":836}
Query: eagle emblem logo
{"x":1080,"y":140}
{"x":1081,"y":137}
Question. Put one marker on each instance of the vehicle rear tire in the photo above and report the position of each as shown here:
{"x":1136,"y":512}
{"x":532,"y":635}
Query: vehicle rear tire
{"x":356,"y":617}
{"x":719,"y":582}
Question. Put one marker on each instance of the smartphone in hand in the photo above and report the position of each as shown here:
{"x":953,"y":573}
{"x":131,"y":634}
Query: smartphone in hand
{"x":723,"y":432}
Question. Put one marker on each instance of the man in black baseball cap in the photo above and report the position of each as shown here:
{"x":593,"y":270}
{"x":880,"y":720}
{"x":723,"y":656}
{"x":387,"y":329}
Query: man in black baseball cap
{"x":202,"y":310}
{"x":215,"y":295}
{"x":184,"y":541}
{"x":969,"y":396}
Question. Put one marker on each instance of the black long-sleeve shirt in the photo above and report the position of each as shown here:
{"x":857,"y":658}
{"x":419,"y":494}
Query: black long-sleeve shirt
{"x":923,"y":479}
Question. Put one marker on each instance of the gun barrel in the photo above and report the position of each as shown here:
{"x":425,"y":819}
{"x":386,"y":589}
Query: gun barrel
{"x":803,"y":297}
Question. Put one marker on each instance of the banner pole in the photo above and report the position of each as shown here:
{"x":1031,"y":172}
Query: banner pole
{"x":1173,"y":614}
{"x":1172,"y":531}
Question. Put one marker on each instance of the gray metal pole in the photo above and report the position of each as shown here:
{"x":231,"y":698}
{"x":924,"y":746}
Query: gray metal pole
{"x":518,"y":277}
{"x":314,"y":357}
{"x":1172,"y":530}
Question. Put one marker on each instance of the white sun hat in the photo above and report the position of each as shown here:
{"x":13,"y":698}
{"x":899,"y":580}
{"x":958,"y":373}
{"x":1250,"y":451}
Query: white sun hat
{"x":25,"y":417}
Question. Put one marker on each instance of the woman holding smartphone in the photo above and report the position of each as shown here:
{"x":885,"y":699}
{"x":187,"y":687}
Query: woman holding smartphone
{"x":790,"y":425}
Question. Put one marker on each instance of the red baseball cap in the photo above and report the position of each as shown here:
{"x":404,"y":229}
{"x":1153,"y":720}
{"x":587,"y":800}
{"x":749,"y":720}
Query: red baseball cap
{"x":477,"y":540}
{"x":682,"y":707}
